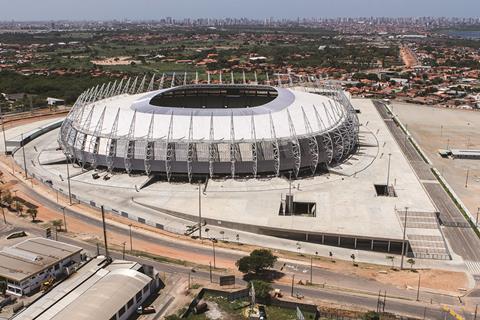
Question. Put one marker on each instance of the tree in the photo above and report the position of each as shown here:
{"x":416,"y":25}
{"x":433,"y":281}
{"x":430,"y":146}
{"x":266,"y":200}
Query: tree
{"x":57,"y":224}
{"x":262,"y":289}
{"x":257,"y":261}
{"x":19,"y":208}
{"x":33,"y":213}
{"x":392,"y":258}
{"x":411,"y":262}
{"x":7,"y":198}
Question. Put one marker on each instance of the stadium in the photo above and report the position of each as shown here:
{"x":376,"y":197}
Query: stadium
{"x":194,"y":131}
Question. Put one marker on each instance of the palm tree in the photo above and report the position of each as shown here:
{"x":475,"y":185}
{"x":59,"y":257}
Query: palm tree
{"x":19,"y":208}
{"x":411,"y":262}
{"x":392,"y":258}
{"x":57,"y":224}
{"x":7,"y":198}
{"x":33,"y":213}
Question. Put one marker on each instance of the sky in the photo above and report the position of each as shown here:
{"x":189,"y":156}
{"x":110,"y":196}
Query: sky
{"x":156,"y":9}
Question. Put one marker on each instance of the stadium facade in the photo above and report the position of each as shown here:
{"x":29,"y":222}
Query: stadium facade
{"x":190,"y":131}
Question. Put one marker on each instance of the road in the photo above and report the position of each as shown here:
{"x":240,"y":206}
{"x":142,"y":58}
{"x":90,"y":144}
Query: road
{"x":405,"y":305}
{"x":456,"y":228}
{"x":345,"y":297}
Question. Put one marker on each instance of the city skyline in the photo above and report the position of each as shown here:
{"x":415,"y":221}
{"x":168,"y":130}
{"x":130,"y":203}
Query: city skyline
{"x":28,"y":10}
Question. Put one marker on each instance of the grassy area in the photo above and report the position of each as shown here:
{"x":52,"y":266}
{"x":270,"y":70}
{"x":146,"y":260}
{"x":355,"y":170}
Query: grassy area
{"x":235,"y":310}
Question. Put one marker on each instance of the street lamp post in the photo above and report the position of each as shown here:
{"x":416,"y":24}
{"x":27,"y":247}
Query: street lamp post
{"x":68,"y":181}
{"x":466,"y":178}
{"x":24,"y":159}
{"x":213,"y":248}
{"x":3,"y":131}
{"x":131,"y":242}
{"x":311,"y":267}
{"x":3,"y":209}
{"x":403,"y":240}
{"x":199,"y":210}
{"x":388,"y":173}
{"x":64,"y":219}
{"x":418,"y":287}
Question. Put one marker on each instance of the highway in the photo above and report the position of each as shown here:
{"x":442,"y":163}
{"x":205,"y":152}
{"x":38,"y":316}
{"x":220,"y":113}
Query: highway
{"x":344,"y":297}
{"x":458,"y":232}
{"x":398,"y":300}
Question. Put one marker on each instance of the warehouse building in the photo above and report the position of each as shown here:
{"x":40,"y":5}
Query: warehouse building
{"x":101,"y":289}
{"x":27,"y":264}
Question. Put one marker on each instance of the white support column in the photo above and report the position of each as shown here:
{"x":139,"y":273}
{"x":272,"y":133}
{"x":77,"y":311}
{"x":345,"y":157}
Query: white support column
{"x":297,"y":155}
{"x":190,"y":149}
{"x":326,"y":139}
{"x":172,"y":84}
{"x":149,"y":146}
{"x":312,"y":143}
{"x":276,"y":149}
{"x":130,"y":146}
{"x":134,"y":86}
{"x":119,"y":88}
{"x":233,"y":147}
{"x":254,"y":147}
{"x":162,"y":80}
{"x":95,"y":141}
{"x":212,"y":148}
{"x":111,"y":150}
{"x":126,"y":87}
{"x":141,"y":87}
{"x":152,"y":82}
{"x":169,"y":150}
{"x":112,"y":89}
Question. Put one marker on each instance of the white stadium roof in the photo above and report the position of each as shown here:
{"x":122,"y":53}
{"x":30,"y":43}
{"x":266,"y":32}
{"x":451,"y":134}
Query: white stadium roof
{"x":289,"y":101}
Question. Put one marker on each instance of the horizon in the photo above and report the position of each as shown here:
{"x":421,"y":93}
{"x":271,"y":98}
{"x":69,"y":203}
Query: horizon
{"x":145,"y":10}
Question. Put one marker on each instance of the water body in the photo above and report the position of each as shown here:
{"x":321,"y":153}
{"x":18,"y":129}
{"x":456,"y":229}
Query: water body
{"x":465,"y":34}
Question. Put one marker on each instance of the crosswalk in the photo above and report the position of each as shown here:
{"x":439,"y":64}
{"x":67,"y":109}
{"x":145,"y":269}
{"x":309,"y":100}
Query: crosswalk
{"x":473,"y":267}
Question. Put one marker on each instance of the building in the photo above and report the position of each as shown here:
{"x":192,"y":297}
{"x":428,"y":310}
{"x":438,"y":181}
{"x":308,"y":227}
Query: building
{"x":465,"y":154}
{"x":194,"y":131}
{"x":55,"y":101}
{"x":101,"y":289}
{"x":27,"y":264}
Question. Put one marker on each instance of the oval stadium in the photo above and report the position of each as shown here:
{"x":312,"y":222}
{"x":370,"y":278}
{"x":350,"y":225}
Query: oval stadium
{"x":194,"y":131}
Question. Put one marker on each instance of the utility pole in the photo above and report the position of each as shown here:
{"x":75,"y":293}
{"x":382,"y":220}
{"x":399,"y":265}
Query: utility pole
{"x":104,"y":231}
{"x":213,"y":247}
{"x":388,"y":174}
{"x":210,"y":267}
{"x":64,"y":219}
{"x":476,"y":309}
{"x":200,"y":210}
{"x":466,"y":179}
{"x":130,"y":232}
{"x":293,"y":281}
{"x":3,"y":209}
{"x":24,"y":159}
{"x":418,"y":288}
{"x":68,"y":181}
{"x":3,"y":131}
{"x":123,"y":251}
{"x":403,"y":241}
{"x":311,"y":270}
